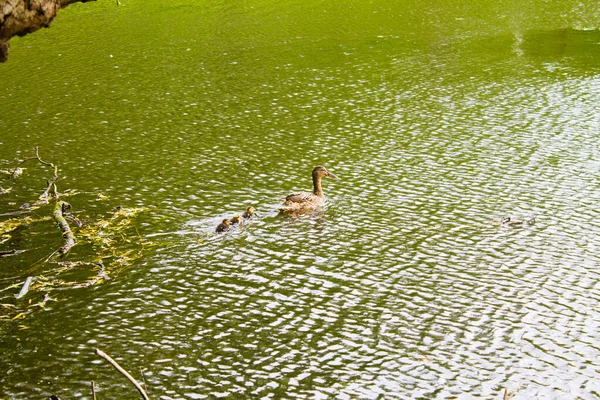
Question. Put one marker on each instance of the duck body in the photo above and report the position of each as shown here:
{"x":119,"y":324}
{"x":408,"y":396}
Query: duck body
{"x":236,"y":220}
{"x":223,"y":226}
{"x":296,"y":202}
{"x":249,"y":213}
{"x":509,"y":221}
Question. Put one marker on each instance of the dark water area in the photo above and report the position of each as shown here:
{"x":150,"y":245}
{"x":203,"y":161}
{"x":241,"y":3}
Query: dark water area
{"x":437,"y":119}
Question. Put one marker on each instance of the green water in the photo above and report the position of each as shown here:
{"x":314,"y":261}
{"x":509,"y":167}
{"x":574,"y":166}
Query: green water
{"x":436,"y":117}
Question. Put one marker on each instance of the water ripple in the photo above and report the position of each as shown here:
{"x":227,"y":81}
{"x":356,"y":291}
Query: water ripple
{"x":401,"y":288}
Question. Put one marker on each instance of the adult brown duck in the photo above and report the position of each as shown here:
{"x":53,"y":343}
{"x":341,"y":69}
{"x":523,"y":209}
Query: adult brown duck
{"x":296,"y":202}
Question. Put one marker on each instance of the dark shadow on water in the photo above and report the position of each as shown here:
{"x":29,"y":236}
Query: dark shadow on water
{"x":582,"y":47}
{"x":578,"y":50}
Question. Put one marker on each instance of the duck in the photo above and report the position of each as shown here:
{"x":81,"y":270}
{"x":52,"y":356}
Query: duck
{"x":236,"y":220}
{"x":249,"y":213}
{"x":302,"y":201}
{"x":509,"y":221}
{"x":223,"y":226}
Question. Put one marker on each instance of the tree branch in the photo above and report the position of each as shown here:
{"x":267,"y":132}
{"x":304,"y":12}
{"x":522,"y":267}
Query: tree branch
{"x":51,"y":182}
{"x":59,"y":210}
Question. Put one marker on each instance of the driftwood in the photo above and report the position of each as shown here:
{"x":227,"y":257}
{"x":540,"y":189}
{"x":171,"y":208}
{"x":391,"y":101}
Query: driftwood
{"x":122,"y":371}
{"x":60,"y":209}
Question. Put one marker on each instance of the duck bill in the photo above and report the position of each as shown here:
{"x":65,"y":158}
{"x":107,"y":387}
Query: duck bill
{"x":330,"y":175}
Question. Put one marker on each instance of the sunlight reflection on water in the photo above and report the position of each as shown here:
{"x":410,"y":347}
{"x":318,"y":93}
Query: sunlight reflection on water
{"x":401,"y":287}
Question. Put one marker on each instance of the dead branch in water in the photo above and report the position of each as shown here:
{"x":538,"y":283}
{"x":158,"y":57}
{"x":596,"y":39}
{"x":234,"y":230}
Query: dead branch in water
{"x":60,"y":209}
{"x":6,"y":253}
{"x":51,"y":183}
{"x":122,"y":371}
{"x":12,"y":213}
{"x":110,"y":238}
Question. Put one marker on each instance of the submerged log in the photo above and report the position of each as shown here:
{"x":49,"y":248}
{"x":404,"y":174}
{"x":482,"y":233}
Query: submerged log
{"x":60,"y":209}
{"x":20,"y":17}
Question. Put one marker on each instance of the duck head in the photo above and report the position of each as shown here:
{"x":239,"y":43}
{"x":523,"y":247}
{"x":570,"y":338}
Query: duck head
{"x":321,"y":172}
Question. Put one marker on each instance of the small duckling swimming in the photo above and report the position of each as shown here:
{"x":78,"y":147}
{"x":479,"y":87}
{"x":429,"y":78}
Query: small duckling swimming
{"x":223,"y":226}
{"x":236,"y":220}
{"x":249,"y":213}
{"x":509,"y":221}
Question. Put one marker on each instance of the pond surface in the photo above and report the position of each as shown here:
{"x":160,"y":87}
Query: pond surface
{"x":437,"y":118}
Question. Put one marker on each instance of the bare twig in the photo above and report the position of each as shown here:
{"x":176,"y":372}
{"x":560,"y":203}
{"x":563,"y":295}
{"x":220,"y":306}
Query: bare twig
{"x":93,"y":391}
{"x":10,"y":214}
{"x":144,"y":379}
{"x":122,"y":371}
{"x":50,"y":183}
{"x":41,"y":261}
{"x":508,"y":395}
{"x":140,"y":236}
{"x":5,"y":253}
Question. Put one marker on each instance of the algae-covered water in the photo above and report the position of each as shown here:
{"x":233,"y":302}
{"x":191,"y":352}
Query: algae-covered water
{"x":437,"y":117}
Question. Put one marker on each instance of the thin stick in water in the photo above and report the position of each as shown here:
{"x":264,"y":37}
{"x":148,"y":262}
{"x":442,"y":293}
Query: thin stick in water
{"x":25,"y":287}
{"x":122,"y":371}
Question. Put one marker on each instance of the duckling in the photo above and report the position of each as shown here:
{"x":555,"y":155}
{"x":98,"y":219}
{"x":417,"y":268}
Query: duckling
{"x":249,"y":213}
{"x":223,"y":226}
{"x":301,"y":201}
{"x":509,"y":221}
{"x":236,"y":220}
